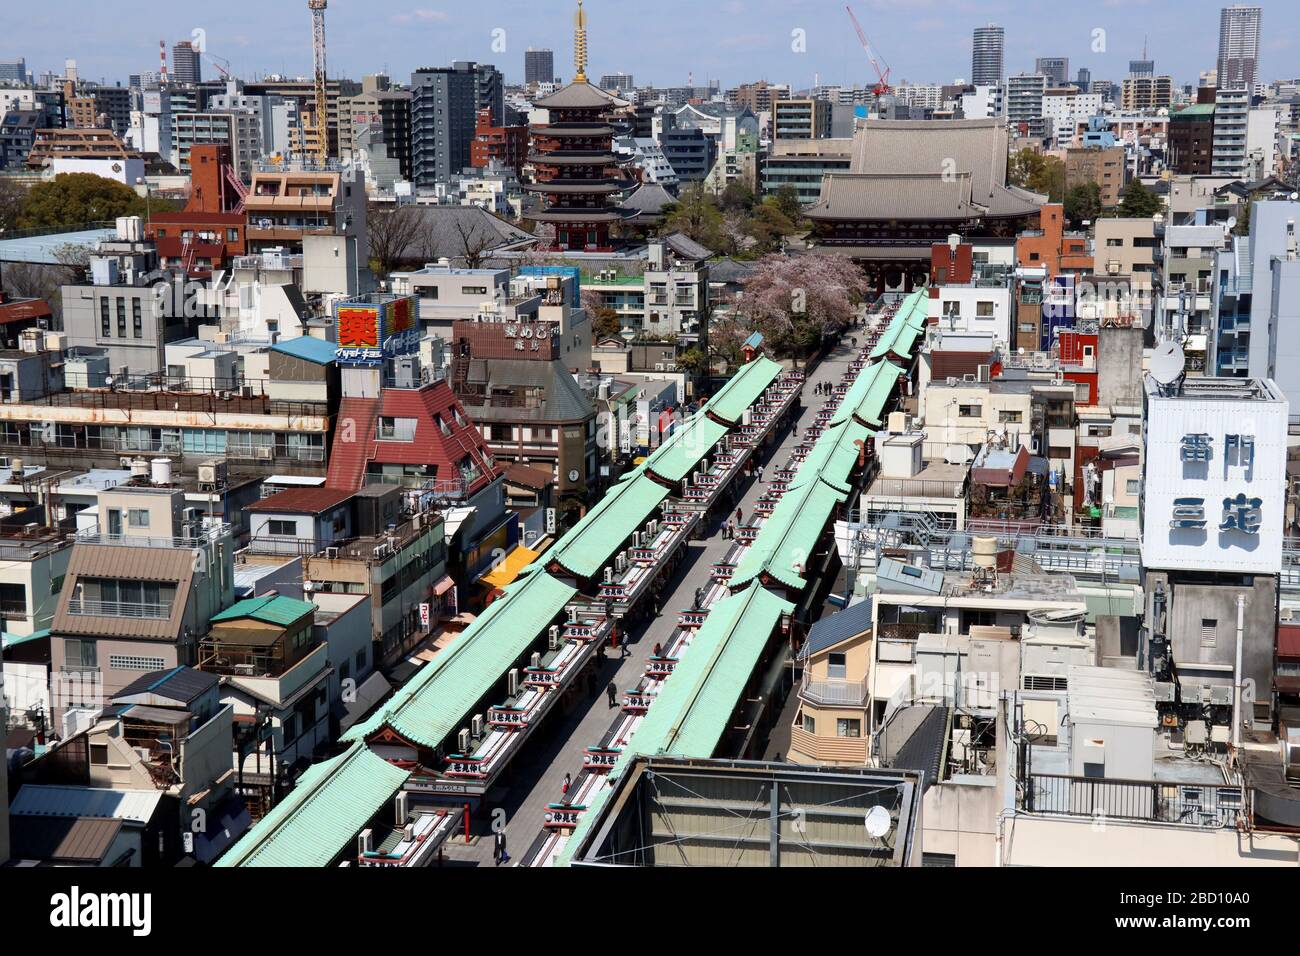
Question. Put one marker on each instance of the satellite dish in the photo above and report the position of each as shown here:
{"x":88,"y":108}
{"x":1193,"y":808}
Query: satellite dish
{"x":878,"y":822}
{"x":1232,"y":223}
{"x":1167,"y":363}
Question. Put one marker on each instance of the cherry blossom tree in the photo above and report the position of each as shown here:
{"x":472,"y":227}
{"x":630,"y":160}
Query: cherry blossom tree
{"x":796,"y":300}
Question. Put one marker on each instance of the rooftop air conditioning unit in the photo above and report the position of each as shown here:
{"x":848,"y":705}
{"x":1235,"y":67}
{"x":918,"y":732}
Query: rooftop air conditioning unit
{"x":462,"y":740}
{"x":609,"y":575}
{"x":620,"y":563}
{"x":401,"y":807}
{"x":535,"y":660}
{"x":262,"y":451}
{"x":332,"y":553}
{"x":476,"y":725}
{"x":512,"y":682}
{"x":365,"y":842}
{"x":553,"y":637}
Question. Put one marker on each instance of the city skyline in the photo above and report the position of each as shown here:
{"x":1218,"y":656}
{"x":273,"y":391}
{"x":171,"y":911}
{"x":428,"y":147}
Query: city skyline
{"x":755,"y":39}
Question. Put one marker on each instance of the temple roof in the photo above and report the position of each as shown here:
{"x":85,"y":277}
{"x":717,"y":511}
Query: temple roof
{"x":580,"y":96}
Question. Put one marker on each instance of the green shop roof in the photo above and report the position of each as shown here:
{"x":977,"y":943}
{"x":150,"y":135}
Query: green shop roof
{"x":674,"y":459}
{"x":867,"y":397}
{"x":789,"y":535}
{"x":689,"y":716}
{"x":273,"y":609}
{"x":589,"y":544}
{"x":834,"y":457}
{"x":434,"y":702}
{"x":330,"y":805}
{"x":743,"y":389}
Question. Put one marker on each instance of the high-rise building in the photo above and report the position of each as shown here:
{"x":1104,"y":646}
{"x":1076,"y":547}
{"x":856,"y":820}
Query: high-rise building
{"x":1238,"y":46}
{"x":1084,"y":78}
{"x":1146,"y":93}
{"x":616,"y":82}
{"x":1055,"y":68}
{"x":1142,"y":68}
{"x":986,"y":56}
{"x":186,"y":65}
{"x":445,"y":102}
{"x":539,"y":66}
{"x":1231,"y":123}
{"x":1025,"y":98}
{"x":14,"y":71}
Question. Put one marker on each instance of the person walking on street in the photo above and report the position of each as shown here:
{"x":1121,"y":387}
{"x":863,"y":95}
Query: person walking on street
{"x":612,"y":692}
{"x":740,"y":517}
{"x":499,"y":848}
{"x":760,"y":474}
{"x":564,"y":787}
{"x":658,"y":649}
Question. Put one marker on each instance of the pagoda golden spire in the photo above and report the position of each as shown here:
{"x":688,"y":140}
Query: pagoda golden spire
{"x":580,"y":45}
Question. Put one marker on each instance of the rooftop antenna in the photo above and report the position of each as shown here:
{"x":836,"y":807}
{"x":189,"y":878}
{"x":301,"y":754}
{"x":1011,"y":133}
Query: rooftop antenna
{"x":1167,"y":365}
{"x":162,"y":62}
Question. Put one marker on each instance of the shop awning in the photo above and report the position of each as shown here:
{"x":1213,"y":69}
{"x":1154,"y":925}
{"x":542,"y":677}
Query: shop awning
{"x":509,"y":569}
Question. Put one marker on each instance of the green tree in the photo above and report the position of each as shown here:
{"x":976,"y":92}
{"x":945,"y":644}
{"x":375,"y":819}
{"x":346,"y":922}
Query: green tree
{"x":696,"y":214}
{"x":1031,"y":170}
{"x":70,"y":199}
{"x":692,"y":360}
{"x":769,"y":225}
{"x":12,"y":196}
{"x":1083,"y":203}
{"x":737,"y":197}
{"x":787,"y":200}
{"x":1138,"y":202}
{"x":1242,"y":228}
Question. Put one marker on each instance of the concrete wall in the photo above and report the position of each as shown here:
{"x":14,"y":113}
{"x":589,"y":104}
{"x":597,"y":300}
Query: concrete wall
{"x":1119,"y":378}
{"x":960,"y":820}
{"x":1029,"y":840}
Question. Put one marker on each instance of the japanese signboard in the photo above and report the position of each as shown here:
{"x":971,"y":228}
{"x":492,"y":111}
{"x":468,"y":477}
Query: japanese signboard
{"x":369,"y":332}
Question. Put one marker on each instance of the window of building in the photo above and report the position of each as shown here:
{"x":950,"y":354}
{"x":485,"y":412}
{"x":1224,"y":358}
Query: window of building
{"x":1133,"y":486}
{"x":848,"y":727}
{"x":836,"y":666}
{"x":396,"y":429}
{"x":1209,"y":631}
{"x":137,"y":320}
{"x":99,"y":754}
{"x":809,"y":724}
{"x":282,"y":528}
{"x":473,"y":290}
{"x":80,"y":653}
{"x":137,"y":518}
{"x":121,"y":318}
{"x":984,"y":310}
{"x":105,"y":320}
{"x":1008,"y":417}
{"x":970,"y":411}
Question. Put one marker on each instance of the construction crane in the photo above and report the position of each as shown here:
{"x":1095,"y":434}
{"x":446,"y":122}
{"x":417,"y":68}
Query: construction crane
{"x":882,"y":86}
{"x":317,"y":8}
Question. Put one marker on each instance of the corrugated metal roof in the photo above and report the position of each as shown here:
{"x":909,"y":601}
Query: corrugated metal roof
{"x":867,"y":397}
{"x":179,"y":684}
{"x":169,"y":565}
{"x":64,"y":839}
{"x":743,"y":389}
{"x":690,"y":715}
{"x":674,"y":459}
{"x":829,"y":631}
{"x":332,"y":802}
{"x":789,"y":535}
{"x":433,"y":703}
{"x":41,"y":800}
{"x":273,"y":609}
{"x":589,"y":544}
{"x":924,"y":750}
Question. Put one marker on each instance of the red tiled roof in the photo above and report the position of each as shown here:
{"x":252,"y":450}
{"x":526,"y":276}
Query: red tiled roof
{"x":431,"y":446}
{"x":22,"y":310}
{"x":354,"y":437}
{"x":528,"y":477}
{"x":302,"y":500}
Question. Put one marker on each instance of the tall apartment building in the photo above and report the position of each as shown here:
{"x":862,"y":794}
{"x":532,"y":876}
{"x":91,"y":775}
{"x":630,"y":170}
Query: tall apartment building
{"x":303,"y":91}
{"x":986,"y":55}
{"x":14,"y":71}
{"x":539,"y":66}
{"x":187,"y":64}
{"x":801,"y":119}
{"x":241,"y":130}
{"x":1142,"y":68}
{"x":1055,"y":68}
{"x":1191,"y":140}
{"x":1239,"y":46}
{"x":1141,"y":93}
{"x":379,"y":116}
{"x":445,"y":102}
{"x":617,"y":82}
{"x":1105,"y":167}
{"x":1231,"y":125}
{"x":1025,"y":98}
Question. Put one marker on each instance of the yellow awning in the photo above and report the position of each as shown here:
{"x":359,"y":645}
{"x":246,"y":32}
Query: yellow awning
{"x":509,"y":569}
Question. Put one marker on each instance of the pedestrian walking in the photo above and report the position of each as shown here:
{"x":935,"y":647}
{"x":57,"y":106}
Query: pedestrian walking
{"x":499,"y":848}
{"x":658,"y":650}
{"x":740,"y":516}
{"x":760,"y":474}
{"x":564,"y":787}
{"x":612,"y":692}
{"x":699,"y":596}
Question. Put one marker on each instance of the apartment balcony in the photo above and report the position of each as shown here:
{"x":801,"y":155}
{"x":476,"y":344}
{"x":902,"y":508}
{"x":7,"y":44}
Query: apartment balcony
{"x":136,"y":610}
{"x":209,"y":535}
{"x":848,"y":693}
{"x":832,"y":750}
{"x":1147,"y":801}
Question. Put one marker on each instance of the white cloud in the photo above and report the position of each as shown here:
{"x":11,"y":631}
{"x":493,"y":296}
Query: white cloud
{"x":423,"y":15}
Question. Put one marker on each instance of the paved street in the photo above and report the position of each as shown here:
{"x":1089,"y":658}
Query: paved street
{"x":536,"y":777}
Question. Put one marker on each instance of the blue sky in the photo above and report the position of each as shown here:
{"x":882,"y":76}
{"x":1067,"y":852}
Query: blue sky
{"x":729,"y":40}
